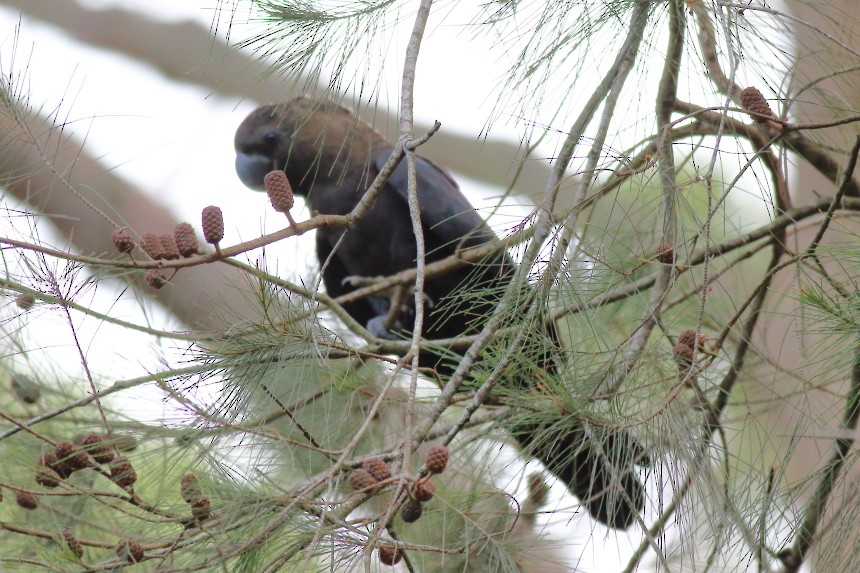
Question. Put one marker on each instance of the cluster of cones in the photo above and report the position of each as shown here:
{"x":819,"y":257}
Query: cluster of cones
{"x":375,"y":474}
{"x":182,"y":243}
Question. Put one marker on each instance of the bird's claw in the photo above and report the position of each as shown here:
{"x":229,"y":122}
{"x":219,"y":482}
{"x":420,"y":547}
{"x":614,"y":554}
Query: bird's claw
{"x":360,"y":281}
{"x":376,"y":327}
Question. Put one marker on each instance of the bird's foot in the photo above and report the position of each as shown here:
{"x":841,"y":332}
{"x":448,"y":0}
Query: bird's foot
{"x":360,"y":281}
{"x":376,"y":327}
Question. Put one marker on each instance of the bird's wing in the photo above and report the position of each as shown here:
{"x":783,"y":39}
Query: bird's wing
{"x":445,"y":211}
{"x":335,"y":272}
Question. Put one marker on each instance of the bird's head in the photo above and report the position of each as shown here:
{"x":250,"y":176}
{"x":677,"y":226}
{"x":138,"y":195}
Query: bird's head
{"x":308,"y":139}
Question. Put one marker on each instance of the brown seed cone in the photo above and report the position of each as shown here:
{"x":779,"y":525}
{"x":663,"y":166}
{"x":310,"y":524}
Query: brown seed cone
{"x":46,"y":475}
{"x":201,"y":509}
{"x":411,"y":510}
{"x":665,"y":254}
{"x":213,"y":224}
{"x":122,"y":240}
{"x":121,"y":472}
{"x":189,"y":488}
{"x":171,"y":251}
{"x":279,"y":190}
{"x":683,"y":356}
{"x":26,"y":500}
{"x":186,"y":240}
{"x":538,"y":489}
{"x":47,"y":459}
{"x":130,"y":550}
{"x":377,"y":468}
{"x":753,"y":101}
{"x":63,"y":469}
{"x":25,"y":389}
{"x":389,"y":555}
{"x":361,"y":480}
{"x":71,"y":456}
{"x":151,"y":245}
{"x":124,"y":442}
{"x":95,"y":445}
{"x":436,"y":459}
{"x":25,"y":301}
{"x":688,"y":338}
{"x":155,"y":279}
{"x":424,"y":490}
{"x":72,"y":542}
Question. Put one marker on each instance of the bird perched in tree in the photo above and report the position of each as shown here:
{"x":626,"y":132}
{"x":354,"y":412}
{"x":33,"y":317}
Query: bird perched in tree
{"x":330,"y":157}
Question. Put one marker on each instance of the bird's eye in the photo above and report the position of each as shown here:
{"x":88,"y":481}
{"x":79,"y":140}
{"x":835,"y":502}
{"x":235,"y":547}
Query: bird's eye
{"x":270,"y":137}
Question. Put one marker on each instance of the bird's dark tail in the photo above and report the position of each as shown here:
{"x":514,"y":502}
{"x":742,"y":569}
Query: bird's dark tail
{"x":597,"y":467}
{"x":597,"y":464}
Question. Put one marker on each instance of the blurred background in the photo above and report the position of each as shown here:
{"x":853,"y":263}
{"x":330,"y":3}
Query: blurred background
{"x":136,"y":103}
